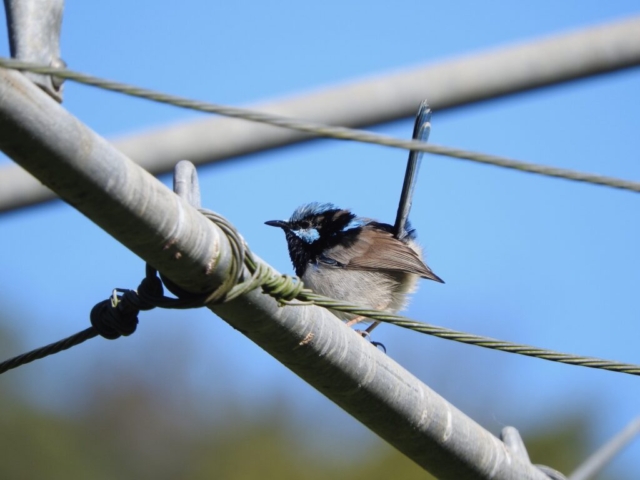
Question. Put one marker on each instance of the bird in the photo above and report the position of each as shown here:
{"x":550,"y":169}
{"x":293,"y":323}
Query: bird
{"x":358,"y":259}
{"x":354,"y":259}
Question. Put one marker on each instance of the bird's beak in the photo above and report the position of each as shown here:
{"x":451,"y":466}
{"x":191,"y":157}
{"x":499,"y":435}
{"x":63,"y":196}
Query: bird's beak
{"x":278,"y":223}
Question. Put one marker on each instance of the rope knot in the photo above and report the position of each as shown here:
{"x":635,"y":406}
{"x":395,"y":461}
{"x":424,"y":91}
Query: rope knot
{"x":117,"y":316}
{"x":149,"y":291}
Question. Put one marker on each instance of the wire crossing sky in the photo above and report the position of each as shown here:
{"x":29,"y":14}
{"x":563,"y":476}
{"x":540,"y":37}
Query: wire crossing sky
{"x":340,"y":133}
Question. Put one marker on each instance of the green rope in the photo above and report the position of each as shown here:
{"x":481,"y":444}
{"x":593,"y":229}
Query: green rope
{"x":471,"y":339}
{"x":279,"y":283}
{"x":321,"y":130}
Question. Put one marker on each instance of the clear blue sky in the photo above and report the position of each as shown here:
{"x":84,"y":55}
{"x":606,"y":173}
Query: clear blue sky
{"x":529,"y":259}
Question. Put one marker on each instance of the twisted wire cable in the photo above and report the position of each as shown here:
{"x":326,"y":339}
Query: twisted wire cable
{"x":283,"y":283}
{"x":47,"y":350}
{"x":322,"y":130}
{"x":472,"y":339}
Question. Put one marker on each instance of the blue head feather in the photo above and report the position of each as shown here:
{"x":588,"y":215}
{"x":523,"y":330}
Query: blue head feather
{"x":357,"y":222}
{"x":308,"y":235}
{"x":409,"y":232}
{"x":314,"y":208}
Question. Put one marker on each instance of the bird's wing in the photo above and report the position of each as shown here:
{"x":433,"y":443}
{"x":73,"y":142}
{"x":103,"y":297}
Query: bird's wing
{"x":377,"y":249}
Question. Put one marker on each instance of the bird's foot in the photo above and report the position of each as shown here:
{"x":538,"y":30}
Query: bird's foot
{"x":355,"y":320}
{"x":367,"y":336}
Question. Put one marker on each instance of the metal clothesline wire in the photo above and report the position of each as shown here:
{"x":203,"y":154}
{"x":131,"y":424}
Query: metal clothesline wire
{"x":322,"y":130}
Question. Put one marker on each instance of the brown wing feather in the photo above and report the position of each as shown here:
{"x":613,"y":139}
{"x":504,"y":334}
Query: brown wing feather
{"x":380,"y":250}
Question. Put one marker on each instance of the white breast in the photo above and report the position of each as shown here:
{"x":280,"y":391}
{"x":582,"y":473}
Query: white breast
{"x":376,"y":290}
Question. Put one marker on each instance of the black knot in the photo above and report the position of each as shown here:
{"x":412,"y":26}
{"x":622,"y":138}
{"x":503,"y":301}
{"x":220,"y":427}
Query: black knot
{"x":116,"y":317}
{"x":149,"y":291}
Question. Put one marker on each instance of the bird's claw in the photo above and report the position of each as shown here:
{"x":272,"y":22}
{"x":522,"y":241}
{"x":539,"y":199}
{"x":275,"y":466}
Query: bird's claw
{"x":367,"y":336}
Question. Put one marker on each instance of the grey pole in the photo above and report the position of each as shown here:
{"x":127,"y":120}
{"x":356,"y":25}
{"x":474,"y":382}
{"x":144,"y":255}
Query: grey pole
{"x":380,"y":99}
{"x":34,"y":36}
{"x":601,"y":458}
{"x":164,"y":230}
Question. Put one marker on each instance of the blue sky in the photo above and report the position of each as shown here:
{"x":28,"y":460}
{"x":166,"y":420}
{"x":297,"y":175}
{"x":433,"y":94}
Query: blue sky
{"x":529,"y":259}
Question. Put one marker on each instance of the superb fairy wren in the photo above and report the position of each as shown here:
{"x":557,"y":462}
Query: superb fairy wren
{"x":355,"y":259}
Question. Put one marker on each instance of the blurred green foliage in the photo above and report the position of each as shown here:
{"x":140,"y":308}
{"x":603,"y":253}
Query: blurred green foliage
{"x":132,"y":429}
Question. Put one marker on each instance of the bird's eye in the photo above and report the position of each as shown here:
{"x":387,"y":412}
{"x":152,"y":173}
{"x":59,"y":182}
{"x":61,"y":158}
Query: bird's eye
{"x":304,"y":224}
